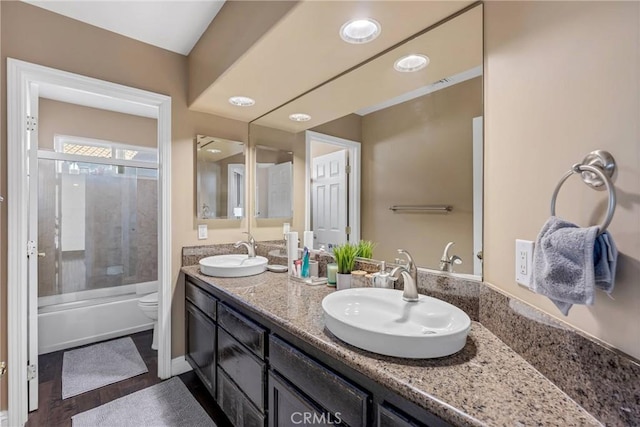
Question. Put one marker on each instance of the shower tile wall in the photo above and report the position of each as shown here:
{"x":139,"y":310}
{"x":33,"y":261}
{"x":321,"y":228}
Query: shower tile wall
{"x":120,"y":233}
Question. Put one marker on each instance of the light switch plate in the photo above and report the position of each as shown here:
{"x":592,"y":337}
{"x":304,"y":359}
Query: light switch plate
{"x":524,"y":262}
{"x":203,"y":232}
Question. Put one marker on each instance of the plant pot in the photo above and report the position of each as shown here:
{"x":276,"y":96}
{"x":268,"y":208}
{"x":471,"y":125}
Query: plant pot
{"x":343,"y":281}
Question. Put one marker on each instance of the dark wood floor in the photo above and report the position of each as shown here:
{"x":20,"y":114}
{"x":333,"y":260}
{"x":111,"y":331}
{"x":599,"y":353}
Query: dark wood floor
{"x":54,"y":412}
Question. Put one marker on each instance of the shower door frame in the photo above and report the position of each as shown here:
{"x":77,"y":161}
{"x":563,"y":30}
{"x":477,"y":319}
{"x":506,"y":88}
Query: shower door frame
{"x":23,"y":79}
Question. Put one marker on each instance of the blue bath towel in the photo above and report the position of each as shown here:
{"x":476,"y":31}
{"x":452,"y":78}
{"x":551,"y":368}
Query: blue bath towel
{"x":570,"y":262}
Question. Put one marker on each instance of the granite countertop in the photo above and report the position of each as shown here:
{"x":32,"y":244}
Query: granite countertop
{"x":486,"y":383}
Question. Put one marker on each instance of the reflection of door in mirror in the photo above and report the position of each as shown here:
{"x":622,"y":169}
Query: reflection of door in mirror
{"x":329,"y":196}
{"x":220,"y":172}
{"x":333,"y":166}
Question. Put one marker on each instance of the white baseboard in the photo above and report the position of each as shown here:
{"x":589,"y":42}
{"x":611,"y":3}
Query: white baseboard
{"x":179,"y":365}
{"x":4,"y":419}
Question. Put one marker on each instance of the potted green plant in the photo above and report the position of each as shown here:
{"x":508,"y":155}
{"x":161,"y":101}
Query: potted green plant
{"x":365,"y":249}
{"x":345,"y":256}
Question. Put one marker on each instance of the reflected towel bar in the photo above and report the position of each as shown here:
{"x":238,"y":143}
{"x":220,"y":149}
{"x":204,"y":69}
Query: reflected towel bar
{"x":422,"y":208}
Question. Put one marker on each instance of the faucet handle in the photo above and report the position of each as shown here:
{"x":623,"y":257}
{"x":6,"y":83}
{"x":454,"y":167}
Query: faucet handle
{"x":410,"y":263}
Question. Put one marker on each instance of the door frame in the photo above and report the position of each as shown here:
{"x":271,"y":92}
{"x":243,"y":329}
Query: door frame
{"x":99,"y":94}
{"x":354,"y":149}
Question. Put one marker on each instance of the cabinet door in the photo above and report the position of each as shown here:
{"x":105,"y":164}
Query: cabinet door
{"x":201,"y":346}
{"x":288,"y":407}
{"x":236,"y":406}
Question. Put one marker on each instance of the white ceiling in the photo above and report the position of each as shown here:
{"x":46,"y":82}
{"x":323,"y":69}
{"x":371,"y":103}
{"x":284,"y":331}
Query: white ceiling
{"x":173,"y":25}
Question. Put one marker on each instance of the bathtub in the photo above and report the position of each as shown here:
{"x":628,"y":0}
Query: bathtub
{"x":80,"y":318}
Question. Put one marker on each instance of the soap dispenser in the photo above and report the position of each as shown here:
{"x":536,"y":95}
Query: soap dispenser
{"x":381,"y":279}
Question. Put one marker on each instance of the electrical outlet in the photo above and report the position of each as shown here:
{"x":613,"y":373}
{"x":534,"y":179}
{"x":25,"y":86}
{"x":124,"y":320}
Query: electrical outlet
{"x":524,"y":262}
{"x":203,"y":232}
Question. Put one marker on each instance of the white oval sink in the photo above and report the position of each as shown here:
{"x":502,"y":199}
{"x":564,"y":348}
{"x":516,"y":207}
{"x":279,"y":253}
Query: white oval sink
{"x":233,"y":265}
{"x":380,"y":321}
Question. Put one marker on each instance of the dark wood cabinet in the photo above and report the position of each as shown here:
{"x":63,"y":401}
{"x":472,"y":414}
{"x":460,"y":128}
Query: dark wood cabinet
{"x":259,"y":376}
{"x":201,"y":346}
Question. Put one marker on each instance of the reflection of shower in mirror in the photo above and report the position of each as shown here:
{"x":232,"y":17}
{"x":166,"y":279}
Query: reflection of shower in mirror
{"x":220,"y":178}
{"x":273,"y":183}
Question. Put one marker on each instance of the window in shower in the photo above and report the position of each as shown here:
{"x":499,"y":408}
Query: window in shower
{"x":97,"y":220}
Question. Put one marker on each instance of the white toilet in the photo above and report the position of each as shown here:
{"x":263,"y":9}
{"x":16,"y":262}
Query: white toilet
{"x":149,"y":306}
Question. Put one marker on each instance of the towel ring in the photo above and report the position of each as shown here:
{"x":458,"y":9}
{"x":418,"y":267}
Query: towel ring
{"x":603,"y":173}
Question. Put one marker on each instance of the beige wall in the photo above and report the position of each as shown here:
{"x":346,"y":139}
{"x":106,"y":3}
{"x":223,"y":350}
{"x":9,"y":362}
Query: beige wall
{"x":420,"y":152}
{"x":75,"y":120}
{"x":563,"y":79}
{"x":36,"y":35}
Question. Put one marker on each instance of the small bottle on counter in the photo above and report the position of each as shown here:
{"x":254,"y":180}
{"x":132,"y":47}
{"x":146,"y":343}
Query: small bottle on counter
{"x":381,"y":278}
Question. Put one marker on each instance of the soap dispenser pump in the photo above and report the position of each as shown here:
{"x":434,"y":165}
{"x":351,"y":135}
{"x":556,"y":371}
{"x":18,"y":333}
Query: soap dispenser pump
{"x":381,"y":279}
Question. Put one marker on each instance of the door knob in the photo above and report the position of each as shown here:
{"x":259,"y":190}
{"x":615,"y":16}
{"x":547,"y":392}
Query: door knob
{"x":41,"y":254}
{"x":479,"y":255}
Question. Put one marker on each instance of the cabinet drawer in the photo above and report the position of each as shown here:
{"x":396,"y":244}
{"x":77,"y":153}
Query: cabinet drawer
{"x":287,"y":406}
{"x":247,"y":371}
{"x":324,"y":386}
{"x":235,"y":404}
{"x":244,"y":330}
{"x":201,"y":299}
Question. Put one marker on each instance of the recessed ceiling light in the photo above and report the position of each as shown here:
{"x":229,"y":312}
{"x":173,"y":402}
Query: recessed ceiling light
{"x":360,"y":30}
{"x":214,"y":150}
{"x":299,"y":117}
{"x":241,"y":101}
{"x":410,"y":63}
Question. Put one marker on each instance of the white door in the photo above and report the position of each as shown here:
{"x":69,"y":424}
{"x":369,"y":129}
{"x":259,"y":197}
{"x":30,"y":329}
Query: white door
{"x":279,"y":201}
{"x":32,"y":250}
{"x":329,"y":199}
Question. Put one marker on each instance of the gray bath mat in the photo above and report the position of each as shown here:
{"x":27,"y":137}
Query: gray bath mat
{"x":166,"y":404}
{"x":99,"y":365}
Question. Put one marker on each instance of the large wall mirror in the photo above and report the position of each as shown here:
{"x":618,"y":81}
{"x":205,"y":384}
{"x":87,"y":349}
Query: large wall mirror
{"x":220,"y":178}
{"x":411,"y":132}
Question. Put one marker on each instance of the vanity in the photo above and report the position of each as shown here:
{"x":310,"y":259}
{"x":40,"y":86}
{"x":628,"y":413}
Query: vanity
{"x":259,"y":345}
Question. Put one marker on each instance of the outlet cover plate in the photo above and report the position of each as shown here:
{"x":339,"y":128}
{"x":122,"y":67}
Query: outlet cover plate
{"x":524,"y":262}
{"x":203,"y":231}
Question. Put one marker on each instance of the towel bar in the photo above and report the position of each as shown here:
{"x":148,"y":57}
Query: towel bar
{"x":422,"y":208}
{"x":597,"y":168}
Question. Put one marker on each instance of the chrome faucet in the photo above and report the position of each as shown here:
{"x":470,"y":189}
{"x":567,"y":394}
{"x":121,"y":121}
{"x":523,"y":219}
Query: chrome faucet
{"x":447,"y":262}
{"x":409,"y":273}
{"x":250,"y":244}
